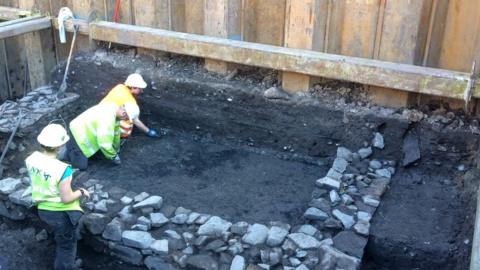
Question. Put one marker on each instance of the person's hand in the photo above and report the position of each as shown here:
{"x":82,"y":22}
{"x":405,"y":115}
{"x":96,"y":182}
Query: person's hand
{"x":152,"y":133}
{"x":116,"y":160}
{"x":85,"y":193}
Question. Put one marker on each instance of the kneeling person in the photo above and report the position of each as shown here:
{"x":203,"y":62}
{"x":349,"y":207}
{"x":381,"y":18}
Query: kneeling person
{"x":97,"y":129}
{"x":58,"y":205}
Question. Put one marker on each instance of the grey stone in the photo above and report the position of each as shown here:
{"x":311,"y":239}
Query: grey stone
{"x":140,"y":227}
{"x":188,"y":250}
{"x":153,"y":201}
{"x":239,"y":228}
{"x":202,"y":262}
{"x":41,"y":236}
{"x":22,"y":197}
{"x":347,"y":199}
{"x":238,"y":263}
{"x":329,"y":183}
{"x":384,"y":173}
{"x":302,"y":267}
{"x":332,"y":223}
{"x":156,"y":263}
{"x":365,"y":152}
{"x":188,"y":237}
{"x":144,"y":221}
{"x":126,"y":215}
{"x":334,"y":197}
{"x":127,"y":254}
{"x":172,"y":234}
{"x":362,"y":227}
{"x":275,"y":93}
{"x":334,"y":174}
{"x":215,"y":226}
{"x":215,"y":245}
{"x":126,"y":200}
{"x":304,"y":241}
{"x":340,"y":165}
{"x":256,"y":234}
{"x":113,"y":230}
{"x":9,"y":185}
{"x":160,"y":247}
{"x":321,"y":204}
{"x":410,"y":148}
{"x":344,"y":153}
{"x":180,"y":219}
{"x":332,"y":258}
{"x":350,"y":243}
{"x":370,"y":200}
{"x":276,"y":235}
{"x":294,"y":262}
{"x":90,"y":183}
{"x":307,"y":229}
{"x":365,"y":216}
{"x":375,"y":164}
{"x":181,"y":210}
{"x":235,"y":249}
{"x":201,"y":240}
{"x":347,"y":220}
{"x":140,"y":197}
{"x":181,"y":260}
{"x":137,"y":239}
{"x":202,"y":219}
{"x":313,"y":213}
{"x":95,"y":222}
{"x":101,"y":206}
{"x":378,"y":141}
{"x":192,"y":217}
{"x":158,"y":220}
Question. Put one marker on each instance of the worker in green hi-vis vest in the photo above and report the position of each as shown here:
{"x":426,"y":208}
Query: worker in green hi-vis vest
{"x":58,"y":205}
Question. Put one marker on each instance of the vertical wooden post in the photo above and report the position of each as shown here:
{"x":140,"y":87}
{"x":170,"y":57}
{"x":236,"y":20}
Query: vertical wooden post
{"x":399,"y":44}
{"x":151,"y":13}
{"x":216,"y":24}
{"x":299,"y":23}
{"x":39,"y":47}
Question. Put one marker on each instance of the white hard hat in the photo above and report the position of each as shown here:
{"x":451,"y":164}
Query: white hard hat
{"x":53,"y":135}
{"x":135,"y":80}
{"x":132,"y":110}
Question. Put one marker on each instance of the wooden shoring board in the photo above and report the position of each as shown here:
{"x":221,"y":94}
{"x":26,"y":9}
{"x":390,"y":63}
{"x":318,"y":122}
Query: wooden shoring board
{"x":152,"y":13}
{"x":299,"y":29}
{"x":264,"y":21}
{"x":9,"y":13}
{"x":20,"y":28}
{"x":410,"y":78}
{"x":39,"y":48}
{"x":215,"y":24}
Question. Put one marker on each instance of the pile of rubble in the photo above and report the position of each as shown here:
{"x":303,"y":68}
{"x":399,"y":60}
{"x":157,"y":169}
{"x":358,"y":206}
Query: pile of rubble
{"x":31,"y":108}
{"x":142,"y":230}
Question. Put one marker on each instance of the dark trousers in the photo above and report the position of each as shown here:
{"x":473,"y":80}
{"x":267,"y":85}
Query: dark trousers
{"x":75,"y":156}
{"x":64,"y":225}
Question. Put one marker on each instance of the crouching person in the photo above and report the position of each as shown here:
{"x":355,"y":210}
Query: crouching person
{"x":58,"y":205}
{"x":98,"y":128}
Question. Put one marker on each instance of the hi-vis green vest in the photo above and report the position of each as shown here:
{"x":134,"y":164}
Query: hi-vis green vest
{"x":45,"y":173}
{"x":97,"y":129}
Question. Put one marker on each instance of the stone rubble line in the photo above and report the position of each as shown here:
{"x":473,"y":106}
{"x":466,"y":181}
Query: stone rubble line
{"x":134,"y":229}
{"x":34,"y":106}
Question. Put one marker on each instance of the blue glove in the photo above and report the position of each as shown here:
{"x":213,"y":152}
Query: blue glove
{"x":116,"y":160}
{"x":152,"y":133}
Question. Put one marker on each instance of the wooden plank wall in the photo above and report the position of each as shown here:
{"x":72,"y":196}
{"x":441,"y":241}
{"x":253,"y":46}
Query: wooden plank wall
{"x":434,"y":33}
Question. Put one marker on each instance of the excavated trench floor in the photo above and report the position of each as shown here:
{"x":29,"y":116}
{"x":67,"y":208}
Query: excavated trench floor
{"x":230,"y":152}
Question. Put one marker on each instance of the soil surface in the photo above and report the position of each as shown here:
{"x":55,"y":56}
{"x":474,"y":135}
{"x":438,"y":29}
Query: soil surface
{"x":231,"y":152}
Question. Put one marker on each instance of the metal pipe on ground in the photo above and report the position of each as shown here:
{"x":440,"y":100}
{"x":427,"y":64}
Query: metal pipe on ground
{"x":475,"y":255}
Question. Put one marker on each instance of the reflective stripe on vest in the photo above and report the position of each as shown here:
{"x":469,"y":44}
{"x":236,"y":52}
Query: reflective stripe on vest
{"x":45,"y":173}
{"x":126,"y":127}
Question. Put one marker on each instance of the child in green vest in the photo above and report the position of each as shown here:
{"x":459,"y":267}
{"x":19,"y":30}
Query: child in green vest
{"x":58,"y":205}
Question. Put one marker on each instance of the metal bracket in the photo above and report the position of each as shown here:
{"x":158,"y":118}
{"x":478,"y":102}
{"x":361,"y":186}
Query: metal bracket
{"x":467,"y":95}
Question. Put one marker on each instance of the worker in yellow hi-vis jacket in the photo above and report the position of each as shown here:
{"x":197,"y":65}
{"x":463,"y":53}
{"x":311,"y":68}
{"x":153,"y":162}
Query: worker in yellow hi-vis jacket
{"x":97,"y":129}
{"x":58,"y":205}
{"x":123,"y":93}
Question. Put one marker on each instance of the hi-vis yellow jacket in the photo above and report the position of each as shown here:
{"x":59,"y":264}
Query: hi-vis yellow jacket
{"x":97,"y":129}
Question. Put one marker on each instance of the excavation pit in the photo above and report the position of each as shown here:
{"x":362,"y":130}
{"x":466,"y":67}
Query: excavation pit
{"x":233,"y":153}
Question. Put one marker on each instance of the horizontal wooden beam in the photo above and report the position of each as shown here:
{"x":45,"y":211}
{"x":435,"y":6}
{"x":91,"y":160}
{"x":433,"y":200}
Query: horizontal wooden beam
{"x":9,"y":13}
{"x":15,"y":28}
{"x":411,"y":78}
{"x":417,"y":79}
{"x":83,"y":27}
